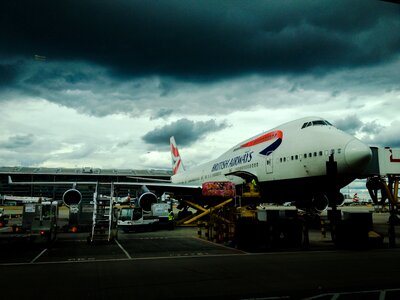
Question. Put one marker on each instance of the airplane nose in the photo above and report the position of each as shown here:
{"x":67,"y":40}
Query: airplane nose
{"x":357,"y":155}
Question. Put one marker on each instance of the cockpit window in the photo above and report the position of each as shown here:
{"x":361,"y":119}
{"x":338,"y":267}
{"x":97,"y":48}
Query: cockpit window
{"x":320,"y":122}
{"x":316,"y":123}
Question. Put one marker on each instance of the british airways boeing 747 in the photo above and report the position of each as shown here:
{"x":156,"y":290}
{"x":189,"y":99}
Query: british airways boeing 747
{"x":289,"y":163}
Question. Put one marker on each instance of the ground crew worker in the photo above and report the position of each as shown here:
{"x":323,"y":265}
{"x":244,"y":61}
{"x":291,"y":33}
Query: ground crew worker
{"x":170,"y":216}
{"x":171,"y":219}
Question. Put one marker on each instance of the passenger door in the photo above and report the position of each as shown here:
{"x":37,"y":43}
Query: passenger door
{"x":269,"y":163}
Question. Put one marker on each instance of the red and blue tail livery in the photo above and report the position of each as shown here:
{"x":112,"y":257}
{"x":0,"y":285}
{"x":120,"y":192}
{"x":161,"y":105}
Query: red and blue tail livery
{"x":176,"y":158}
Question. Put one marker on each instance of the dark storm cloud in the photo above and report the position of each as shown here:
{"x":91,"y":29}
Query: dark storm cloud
{"x":203,"y":39}
{"x":56,"y":78}
{"x":372,"y":127}
{"x":18,"y":142}
{"x":373,"y":133}
{"x":8,"y":74}
{"x":185,"y":132}
{"x":391,"y":141}
{"x":350,"y":124}
{"x":162,"y":113}
{"x":382,"y":136}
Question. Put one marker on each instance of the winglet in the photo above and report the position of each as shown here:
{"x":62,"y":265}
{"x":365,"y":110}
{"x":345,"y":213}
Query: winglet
{"x":177,"y":165}
{"x":10,"y":180}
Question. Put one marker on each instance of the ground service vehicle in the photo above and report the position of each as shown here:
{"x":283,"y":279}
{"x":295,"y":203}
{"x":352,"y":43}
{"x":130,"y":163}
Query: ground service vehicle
{"x":3,"y":218}
{"x":163,"y":211}
{"x":133,"y":219}
{"x":39,"y":220}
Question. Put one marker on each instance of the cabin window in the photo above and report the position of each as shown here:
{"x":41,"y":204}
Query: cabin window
{"x":339,"y":150}
{"x":320,"y":153}
{"x":292,"y":157}
{"x":284,"y":159}
{"x":326,"y":152}
{"x":296,"y":157}
{"x":305,"y":155}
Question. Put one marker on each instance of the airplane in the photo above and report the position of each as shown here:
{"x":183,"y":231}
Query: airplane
{"x":288,"y":163}
{"x":305,"y":161}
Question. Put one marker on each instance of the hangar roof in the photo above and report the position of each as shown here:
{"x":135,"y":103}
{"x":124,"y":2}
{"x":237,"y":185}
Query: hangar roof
{"x":85,"y":171}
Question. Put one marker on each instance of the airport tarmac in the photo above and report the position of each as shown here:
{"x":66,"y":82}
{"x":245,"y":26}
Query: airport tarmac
{"x":178,"y":265}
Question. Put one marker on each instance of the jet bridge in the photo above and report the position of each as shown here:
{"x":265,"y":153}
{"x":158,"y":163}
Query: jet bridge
{"x":383,"y":178}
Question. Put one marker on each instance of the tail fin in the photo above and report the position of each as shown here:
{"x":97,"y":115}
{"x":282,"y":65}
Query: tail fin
{"x":177,"y":165}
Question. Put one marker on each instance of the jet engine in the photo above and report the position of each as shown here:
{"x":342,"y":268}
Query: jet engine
{"x":72,"y":197}
{"x":319,"y":203}
{"x":146,"y":198}
{"x":336,"y":199}
{"x":315,"y":204}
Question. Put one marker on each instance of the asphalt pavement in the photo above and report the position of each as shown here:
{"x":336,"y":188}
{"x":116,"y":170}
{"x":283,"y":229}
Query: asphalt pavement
{"x":179,"y":265}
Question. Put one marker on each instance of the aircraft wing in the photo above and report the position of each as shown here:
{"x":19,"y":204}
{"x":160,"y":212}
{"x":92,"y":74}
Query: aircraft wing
{"x":160,"y":185}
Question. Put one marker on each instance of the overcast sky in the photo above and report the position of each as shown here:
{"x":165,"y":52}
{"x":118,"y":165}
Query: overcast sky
{"x":114,"y":79}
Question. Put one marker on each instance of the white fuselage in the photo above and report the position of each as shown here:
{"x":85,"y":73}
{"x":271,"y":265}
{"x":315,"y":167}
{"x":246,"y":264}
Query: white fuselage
{"x":295,"y":152}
